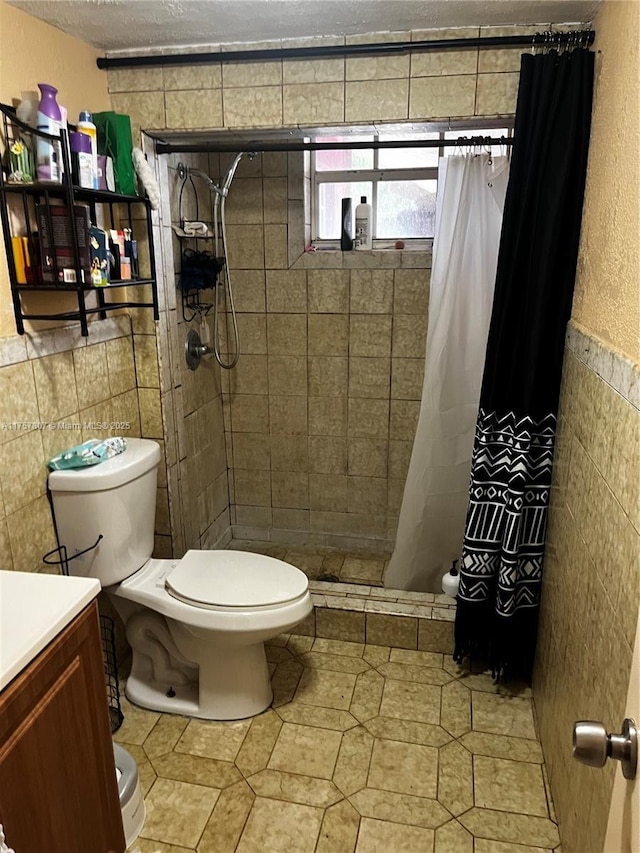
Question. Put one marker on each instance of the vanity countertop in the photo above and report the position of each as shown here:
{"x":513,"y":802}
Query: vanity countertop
{"x":34,"y":608}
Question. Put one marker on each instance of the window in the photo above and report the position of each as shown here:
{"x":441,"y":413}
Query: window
{"x":399,"y":183}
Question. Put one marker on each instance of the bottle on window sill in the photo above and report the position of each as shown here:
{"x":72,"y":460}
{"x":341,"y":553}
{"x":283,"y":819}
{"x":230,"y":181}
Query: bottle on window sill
{"x":346,"y":237}
{"x":363,"y":225}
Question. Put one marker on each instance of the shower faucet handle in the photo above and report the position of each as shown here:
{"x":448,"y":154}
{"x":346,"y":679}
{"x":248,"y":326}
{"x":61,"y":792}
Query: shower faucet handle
{"x":194,"y":349}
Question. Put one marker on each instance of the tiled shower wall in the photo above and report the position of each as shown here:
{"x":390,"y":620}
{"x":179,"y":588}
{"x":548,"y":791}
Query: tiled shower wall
{"x":321,"y":411}
{"x":591,"y":590}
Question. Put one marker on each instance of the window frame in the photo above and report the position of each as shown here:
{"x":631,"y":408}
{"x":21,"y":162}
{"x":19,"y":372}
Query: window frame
{"x":375,"y":175}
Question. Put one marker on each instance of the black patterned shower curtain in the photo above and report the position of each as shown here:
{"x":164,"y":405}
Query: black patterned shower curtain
{"x":501,"y":571}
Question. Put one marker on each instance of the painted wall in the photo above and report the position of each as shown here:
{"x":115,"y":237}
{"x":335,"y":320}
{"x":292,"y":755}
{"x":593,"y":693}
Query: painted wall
{"x":33,"y":52}
{"x":607,"y":301}
{"x":591,"y":590}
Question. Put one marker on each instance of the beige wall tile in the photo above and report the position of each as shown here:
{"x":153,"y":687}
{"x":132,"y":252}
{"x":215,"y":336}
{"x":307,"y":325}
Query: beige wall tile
{"x":246,"y":251}
{"x":31,"y":535}
{"x":340,"y":625}
{"x":249,"y":376}
{"x":399,"y":458}
{"x":411,"y":291}
{"x":248,"y":74}
{"x":368,"y":457}
{"x":446,"y":62}
{"x":275,"y":247}
{"x":441,"y":97}
{"x":328,"y":334}
{"x":201,"y":77}
{"x":290,"y":489}
{"x":327,"y":454}
{"x":318,"y":71}
{"x":252,"y":488}
{"x":92,"y":375}
{"x":327,"y":416}
{"x":407,"y":375}
{"x":367,"y":494}
{"x":201,"y":108}
{"x":253,"y":107}
{"x":291,"y":519}
{"x":368,"y":418}
{"x":409,"y":336}
{"x":150,"y":413}
{"x":274,"y":164}
{"x":371,"y":292}
{"x":145,"y":108}
{"x":435,"y":636}
{"x":18,"y":395}
{"x":385,"y":101}
{"x":328,"y":376}
{"x":249,"y":289}
{"x":134,"y":79}
{"x":251,"y":451}
{"x":328,"y":492}
{"x":377,"y":67}
{"x":369,"y":377}
{"x":503,"y":60}
{"x":275,"y":200}
{"x":496,"y":94}
{"x":288,"y":415}
{"x":288,"y":375}
{"x":250,"y":413}
{"x":245,"y":202}
{"x":252,"y":332}
{"x":287,"y":291}
{"x":56,"y":386}
{"x":403,"y":419}
{"x":313,"y":103}
{"x":146,"y":361}
{"x":122,"y":375}
{"x":287,"y":334}
{"x":289,"y":453}
{"x":370,"y":335}
{"x":328,"y":291}
{"x":23,"y":475}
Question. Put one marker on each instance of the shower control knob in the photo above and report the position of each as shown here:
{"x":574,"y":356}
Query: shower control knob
{"x":194,"y":349}
{"x":592,"y":745}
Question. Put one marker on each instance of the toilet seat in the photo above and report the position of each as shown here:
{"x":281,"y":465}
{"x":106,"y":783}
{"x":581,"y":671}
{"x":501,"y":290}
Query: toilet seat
{"x":232,"y":580}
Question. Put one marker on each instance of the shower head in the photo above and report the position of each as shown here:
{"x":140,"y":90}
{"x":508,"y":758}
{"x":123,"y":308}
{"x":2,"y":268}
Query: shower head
{"x":221,"y":189}
{"x":226,"y":183}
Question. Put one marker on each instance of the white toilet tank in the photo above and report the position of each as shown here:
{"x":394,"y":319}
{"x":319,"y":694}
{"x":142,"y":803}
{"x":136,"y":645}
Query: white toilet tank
{"x":117,"y":499}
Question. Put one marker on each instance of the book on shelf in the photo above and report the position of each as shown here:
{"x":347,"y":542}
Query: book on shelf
{"x":57,"y":256}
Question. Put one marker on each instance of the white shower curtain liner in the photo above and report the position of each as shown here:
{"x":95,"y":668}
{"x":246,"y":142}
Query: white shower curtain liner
{"x":471,"y":193}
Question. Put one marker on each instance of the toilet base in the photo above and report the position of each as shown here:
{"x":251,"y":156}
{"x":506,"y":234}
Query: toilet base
{"x":233,"y":684}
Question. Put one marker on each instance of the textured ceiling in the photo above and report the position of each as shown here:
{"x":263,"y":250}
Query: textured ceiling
{"x":133,"y":24}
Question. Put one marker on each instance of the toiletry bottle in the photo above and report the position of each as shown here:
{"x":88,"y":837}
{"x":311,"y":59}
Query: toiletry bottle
{"x":81,"y":161}
{"x":363,"y":224}
{"x":346,"y":238}
{"x":49,"y":153}
{"x":85,"y":125}
{"x":451,"y":581}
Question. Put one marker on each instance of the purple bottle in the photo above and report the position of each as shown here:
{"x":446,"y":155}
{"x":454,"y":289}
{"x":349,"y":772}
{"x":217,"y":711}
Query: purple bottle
{"x":49,"y":154}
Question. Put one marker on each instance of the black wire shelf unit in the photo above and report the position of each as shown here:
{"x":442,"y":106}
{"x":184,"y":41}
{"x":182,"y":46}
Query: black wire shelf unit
{"x":19,"y":201}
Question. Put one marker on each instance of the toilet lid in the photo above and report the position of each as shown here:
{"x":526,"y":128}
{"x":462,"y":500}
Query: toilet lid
{"x":235,"y":579}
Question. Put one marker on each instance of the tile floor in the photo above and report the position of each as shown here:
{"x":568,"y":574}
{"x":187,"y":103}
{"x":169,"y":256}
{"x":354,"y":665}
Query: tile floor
{"x":318,"y":563}
{"x":367,"y":749}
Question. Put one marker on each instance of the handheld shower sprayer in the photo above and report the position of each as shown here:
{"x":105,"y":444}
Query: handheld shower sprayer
{"x":220,"y":192}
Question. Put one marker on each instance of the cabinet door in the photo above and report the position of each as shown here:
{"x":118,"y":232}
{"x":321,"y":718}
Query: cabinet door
{"x":58,"y":789}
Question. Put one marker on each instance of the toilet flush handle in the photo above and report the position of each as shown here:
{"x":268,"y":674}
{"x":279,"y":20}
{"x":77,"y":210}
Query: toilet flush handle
{"x":593,"y":745}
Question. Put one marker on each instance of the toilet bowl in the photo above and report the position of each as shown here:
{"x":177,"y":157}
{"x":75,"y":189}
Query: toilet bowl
{"x":196,"y":626}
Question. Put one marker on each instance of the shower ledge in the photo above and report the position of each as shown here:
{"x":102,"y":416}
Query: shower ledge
{"x":375,"y":599}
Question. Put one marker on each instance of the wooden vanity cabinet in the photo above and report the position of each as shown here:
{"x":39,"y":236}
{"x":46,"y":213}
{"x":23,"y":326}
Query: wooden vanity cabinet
{"x":58,"y":788}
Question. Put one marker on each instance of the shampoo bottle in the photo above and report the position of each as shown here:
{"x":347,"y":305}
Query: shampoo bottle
{"x":363,"y":224}
{"x":85,"y":125}
{"x":49,"y":153}
{"x":451,"y":581}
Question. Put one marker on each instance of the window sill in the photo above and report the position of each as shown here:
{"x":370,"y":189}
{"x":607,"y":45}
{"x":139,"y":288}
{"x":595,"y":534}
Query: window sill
{"x":379,"y":258}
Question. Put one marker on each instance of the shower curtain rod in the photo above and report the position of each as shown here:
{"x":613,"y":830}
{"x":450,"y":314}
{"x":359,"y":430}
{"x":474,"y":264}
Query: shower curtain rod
{"x":262,"y":147}
{"x":574,"y":38}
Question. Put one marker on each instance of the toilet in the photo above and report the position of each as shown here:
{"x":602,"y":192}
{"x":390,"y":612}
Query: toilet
{"x":197,"y":626}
